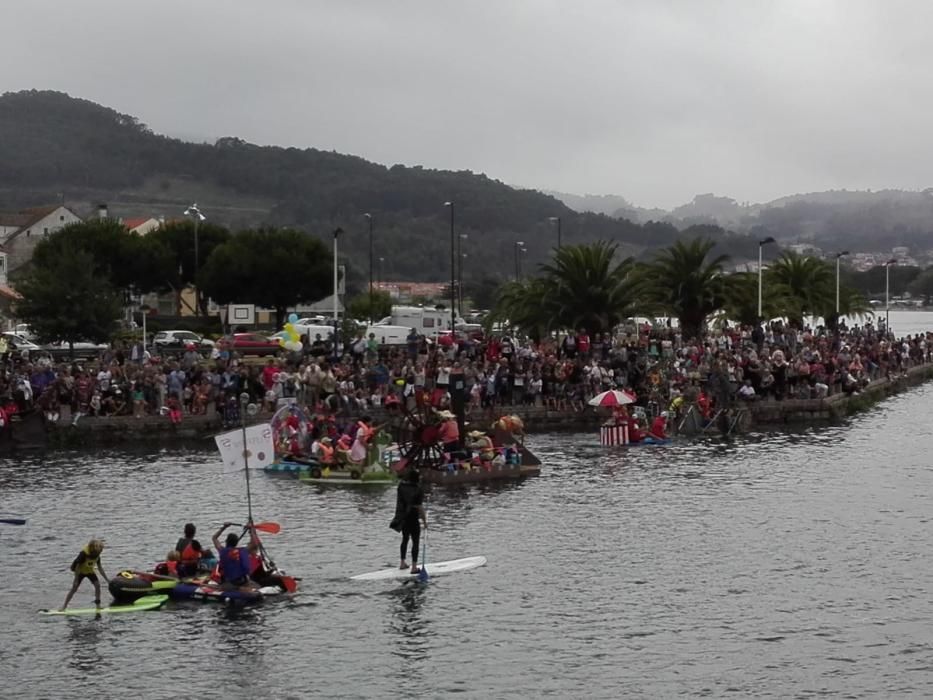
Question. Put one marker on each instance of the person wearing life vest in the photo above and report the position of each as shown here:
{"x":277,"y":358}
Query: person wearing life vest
{"x":169,"y":567}
{"x":659,"y":426}
{"x":189,"y":552}
{"x":325,"y":451}
{"x":448,"y":432}
{"x":634,"y":431}
{"x":482,"y":444}
{"x":83,"y":567}
{"x":233,"y":561}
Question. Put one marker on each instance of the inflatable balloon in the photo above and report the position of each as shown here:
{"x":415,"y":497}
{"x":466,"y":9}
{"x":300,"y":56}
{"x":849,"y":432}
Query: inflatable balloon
{"x":292,"y":317}
{"x":289,"y":328}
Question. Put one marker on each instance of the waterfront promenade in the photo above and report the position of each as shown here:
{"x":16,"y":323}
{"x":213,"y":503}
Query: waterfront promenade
{"x":761,"y":415}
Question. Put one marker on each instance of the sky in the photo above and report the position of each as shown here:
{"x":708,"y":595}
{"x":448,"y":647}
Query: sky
{"x":655,"y":100}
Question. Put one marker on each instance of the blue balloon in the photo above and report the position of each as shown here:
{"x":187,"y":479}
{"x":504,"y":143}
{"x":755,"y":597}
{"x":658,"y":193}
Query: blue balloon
{"x":292,"y":318}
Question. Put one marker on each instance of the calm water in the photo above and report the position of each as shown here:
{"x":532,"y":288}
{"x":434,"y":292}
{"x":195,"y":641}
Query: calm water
{"x":781,"y":565}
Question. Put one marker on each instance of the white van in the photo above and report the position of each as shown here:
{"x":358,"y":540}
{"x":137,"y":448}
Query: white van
{"x":426,"y":321}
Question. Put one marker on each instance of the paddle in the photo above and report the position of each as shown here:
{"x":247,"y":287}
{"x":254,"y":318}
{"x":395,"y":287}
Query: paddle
{"x":423,"y":571}
{"x":267,"y":527}
{"x":13,"y":521}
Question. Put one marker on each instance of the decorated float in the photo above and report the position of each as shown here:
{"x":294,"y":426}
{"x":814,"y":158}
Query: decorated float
{"x":360,"y":461}
{"x":624,"y":425}
{"x":495,"y":454}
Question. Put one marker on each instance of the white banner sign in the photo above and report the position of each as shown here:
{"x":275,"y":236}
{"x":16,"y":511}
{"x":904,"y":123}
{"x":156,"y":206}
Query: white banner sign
{"x":258,"y":450}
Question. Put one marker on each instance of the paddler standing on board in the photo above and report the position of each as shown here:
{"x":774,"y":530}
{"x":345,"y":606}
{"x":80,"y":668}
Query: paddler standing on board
{"x":409,"y":516}
{"x":83,"y":566}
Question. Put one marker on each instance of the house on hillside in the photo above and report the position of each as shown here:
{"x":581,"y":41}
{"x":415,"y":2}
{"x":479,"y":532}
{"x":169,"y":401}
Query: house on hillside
{"x":21,"y":231}
{"x":142,"y":226}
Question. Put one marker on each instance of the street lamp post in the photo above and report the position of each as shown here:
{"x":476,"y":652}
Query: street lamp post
{"x":762,"y":243}
{"x":887,"y":294}
{"x":557,"y":219}
{"x":838,"y":256}
{"x":198,"y":217}
{"x":460,"y":256}
{"x":519,"y":248}
{"x":370,"y":217}
{"x":144,"y":310}
{"x":453,"y":267}
{"x":381,"y":273}
{"x":337,"y":232}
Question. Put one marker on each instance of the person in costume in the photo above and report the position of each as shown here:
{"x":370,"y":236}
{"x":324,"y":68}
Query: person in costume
{"x":83,"y":567}
{"x":658,"y":428}
{"x":233,"y":562}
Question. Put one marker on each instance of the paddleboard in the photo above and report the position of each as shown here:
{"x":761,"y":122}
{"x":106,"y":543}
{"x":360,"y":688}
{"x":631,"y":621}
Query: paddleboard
{"x":347,"y":482}
{"x":149,"y":602}
{"x":434,"y":569}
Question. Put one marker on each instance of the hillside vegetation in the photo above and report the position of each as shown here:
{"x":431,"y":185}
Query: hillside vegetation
{"x":54,"y":146}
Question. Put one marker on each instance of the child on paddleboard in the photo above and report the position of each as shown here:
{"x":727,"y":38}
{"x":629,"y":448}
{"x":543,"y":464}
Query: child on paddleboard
{"x":83,"y":567}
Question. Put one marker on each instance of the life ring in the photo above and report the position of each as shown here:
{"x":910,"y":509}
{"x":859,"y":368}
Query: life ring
{"x":316,"y":473}
{"x":127,"y":574}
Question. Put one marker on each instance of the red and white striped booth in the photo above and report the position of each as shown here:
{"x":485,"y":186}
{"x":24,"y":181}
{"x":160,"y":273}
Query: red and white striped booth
{"x":613,"y":435}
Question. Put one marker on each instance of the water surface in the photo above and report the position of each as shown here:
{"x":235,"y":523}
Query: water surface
{"x":776,"y":565}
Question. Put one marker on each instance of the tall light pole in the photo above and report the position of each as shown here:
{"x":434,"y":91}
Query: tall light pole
{"x":557,"y":219}
{"x":519,"y":247}
{"x":838,"y":257}
{"x":198,"y":217}
{"x":887,"y":294}
{"x":381,"y":272}
{"x":337,"y":232}
{"x":370,"y":217}
{"x":460,"y":239}
{"x":453,"y":267}
{"x":762,"y":243}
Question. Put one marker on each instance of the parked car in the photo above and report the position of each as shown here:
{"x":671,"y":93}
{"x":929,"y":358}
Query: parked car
{"x":255,"y":344}
{"x":81,"y":349}
{"x":18,"y":343}
{"x":167,"y":340}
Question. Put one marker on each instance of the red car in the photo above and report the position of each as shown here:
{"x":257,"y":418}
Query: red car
{"x":255,"y":344}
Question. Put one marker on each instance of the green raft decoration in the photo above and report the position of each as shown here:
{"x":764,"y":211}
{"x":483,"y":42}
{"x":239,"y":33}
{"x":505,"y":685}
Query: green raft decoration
{"x":149,"y":602}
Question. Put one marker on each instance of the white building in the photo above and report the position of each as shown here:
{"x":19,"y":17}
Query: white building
{"x":21,"y":231}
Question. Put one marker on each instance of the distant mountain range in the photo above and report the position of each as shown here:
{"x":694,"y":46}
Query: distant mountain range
{"x":55,"y":148}
{"x":838,"y":219}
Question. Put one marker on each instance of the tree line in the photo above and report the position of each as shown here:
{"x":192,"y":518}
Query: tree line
{"x":81,"y":276}
{"x":590,"y":287}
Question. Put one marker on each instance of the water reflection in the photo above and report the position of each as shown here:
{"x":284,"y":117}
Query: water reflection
{"x":410,"y":627}
{"x":84,"y":638}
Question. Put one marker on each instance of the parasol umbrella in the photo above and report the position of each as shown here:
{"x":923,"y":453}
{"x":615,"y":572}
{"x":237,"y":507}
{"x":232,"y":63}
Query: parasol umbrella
{"x":613,"y":397}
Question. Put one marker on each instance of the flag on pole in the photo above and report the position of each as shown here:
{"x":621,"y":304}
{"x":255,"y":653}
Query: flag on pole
{"x":258,"y":448}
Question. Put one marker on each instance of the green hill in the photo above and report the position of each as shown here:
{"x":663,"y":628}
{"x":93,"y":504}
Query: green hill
{"x":53,"y":147}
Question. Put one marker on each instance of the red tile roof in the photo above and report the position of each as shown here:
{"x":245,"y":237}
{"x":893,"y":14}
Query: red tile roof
{"x":26,"y":217}
{"x":9,"y":293}
{"x":134,"y":223}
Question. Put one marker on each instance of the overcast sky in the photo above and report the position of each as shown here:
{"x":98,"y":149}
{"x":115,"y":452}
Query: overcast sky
{"x":655,"y":100}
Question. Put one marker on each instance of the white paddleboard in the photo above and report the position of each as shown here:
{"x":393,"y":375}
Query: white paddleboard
{"x":435,"y":568}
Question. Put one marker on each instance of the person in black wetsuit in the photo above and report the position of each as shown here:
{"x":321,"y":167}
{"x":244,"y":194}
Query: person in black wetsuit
{"x":410,"y":516}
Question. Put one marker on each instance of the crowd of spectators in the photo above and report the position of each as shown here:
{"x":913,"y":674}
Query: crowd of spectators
{"x":764,"y":363}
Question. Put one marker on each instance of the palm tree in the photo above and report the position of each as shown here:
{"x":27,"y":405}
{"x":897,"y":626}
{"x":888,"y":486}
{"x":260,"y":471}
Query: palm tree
{"x":807,"y":285}
{"x":583,"y":287}
{"x":741,"y":301}
{"x":682,"y":282}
